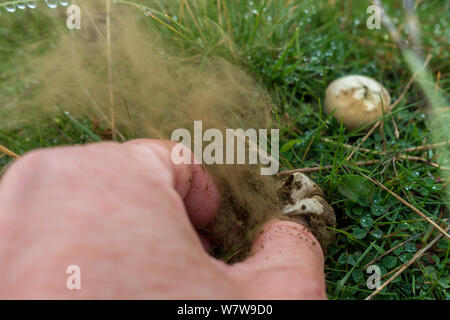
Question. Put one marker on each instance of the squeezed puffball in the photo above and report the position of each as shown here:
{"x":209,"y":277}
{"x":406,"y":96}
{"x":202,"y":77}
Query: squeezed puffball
{"x":358,"y":100}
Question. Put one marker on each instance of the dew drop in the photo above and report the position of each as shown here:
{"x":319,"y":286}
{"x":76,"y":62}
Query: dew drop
{"x":51,"y":3}
{"x":31,"y":4}
{"x":148,"y":12}
{"x":10,"y":7}
{"x":436,"y":188}
{"x":377,"y":233}
{"x":64,"y":3}
{"x":366,"y":222}
{"x":404,"y":226}
{"x":21,"y":5}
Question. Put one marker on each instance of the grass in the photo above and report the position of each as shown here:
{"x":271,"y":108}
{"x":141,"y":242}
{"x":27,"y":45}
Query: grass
{"x":295,"y":48}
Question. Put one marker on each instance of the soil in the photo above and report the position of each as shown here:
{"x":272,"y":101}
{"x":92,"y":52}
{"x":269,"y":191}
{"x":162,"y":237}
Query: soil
{"x":249,"y":200}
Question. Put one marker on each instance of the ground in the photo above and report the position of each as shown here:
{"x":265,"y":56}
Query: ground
{"x":294,"y":49}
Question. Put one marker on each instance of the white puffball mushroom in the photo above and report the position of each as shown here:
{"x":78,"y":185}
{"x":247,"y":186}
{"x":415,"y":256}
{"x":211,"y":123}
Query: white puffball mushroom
{"x":358,"y":100}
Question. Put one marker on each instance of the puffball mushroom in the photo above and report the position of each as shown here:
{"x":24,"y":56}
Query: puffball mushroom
{"x":358,"y":100}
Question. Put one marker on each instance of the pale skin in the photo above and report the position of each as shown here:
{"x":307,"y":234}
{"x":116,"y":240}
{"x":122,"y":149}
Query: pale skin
{"x":128,"y":217}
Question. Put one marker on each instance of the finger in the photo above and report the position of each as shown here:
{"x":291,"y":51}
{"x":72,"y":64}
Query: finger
{"x":193,"y":183}
{"x":286,"y":263}
{"x":104,"y":207}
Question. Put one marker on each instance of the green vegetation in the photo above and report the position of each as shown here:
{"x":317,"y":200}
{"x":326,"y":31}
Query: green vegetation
{"x":295,"y":48}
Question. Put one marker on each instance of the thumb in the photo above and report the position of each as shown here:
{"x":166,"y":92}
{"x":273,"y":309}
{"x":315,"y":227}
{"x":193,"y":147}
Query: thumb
{"x":286,"y":262}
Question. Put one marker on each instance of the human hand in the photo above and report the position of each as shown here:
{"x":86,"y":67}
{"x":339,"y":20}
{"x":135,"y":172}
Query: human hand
{"x":127,"y":216}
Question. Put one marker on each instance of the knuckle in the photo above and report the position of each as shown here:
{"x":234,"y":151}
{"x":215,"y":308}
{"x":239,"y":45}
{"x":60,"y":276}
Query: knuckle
{"x":31,"y":169}
{"x":24,"y":175}
{"x":32,"y":163}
